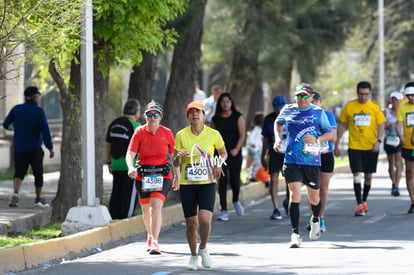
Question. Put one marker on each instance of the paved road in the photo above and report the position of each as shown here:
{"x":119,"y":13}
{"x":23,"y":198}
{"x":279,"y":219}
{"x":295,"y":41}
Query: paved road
{"x":380,"y":243}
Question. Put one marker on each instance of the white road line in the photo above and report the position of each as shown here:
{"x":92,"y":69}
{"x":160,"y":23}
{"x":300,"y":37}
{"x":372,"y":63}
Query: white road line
{"x":375,"y":218}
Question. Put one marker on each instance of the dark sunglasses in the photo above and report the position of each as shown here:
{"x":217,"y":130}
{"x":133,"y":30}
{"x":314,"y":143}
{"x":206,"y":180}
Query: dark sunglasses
{"x":303,"y":96}
{"x":156,"y":115}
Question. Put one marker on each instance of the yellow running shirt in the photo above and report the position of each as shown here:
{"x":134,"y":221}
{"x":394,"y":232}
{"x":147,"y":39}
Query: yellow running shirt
{"x":405,"y":114}
{"x":197,"y":167}
{"x":362,"y":120}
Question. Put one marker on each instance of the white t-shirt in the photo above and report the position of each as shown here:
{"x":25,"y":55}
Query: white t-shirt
{"x":254,"y":140}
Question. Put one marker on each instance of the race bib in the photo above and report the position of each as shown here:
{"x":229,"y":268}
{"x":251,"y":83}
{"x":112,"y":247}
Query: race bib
{"x":410,"y":119}
{"x":392,"y":141}
{"x":152,"y":183}
{"x":324,"y":147}
{"x":362,"y":119}
{"x":196,"y":173}
{"x":311,"y":148}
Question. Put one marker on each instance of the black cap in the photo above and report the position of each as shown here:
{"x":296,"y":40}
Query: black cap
{"x":30,"y":92}
{"x":316,"y":95}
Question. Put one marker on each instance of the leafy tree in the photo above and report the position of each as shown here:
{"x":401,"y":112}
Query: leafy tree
{"x":122,"y":30}
{"x":33,"y":30}
{"x":292,"y":34}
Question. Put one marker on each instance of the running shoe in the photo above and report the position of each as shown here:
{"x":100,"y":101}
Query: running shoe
{"x":395,"y":191}
{"x":359,"y":210}
{"x":315,"y":232}
{"x":276,"y":215}
{"x":193,"y":263}
{"x":365,"y":205}
{"x":224,"y":216}
{"x":154,"y":250}
{"x":411,"y":210}
{"x":239,"y":208}
{"x":286,"y":206}
{"x":14,"y":202}
{"x":149,"y":240}
{"x":41,"y":203}
{"x":295,"y":240}
{"x":322,"y":225}
{"x":205,"y":258}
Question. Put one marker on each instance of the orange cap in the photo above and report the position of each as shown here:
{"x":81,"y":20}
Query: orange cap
{"x":195,"y":105}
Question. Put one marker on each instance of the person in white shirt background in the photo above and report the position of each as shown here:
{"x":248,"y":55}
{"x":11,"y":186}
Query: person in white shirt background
{"x":210,"y":103}
{"x":254,"y":146}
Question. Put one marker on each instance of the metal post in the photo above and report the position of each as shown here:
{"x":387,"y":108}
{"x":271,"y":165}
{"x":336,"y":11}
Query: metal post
{"x":381,"y":97}
{"x":88,"y":133}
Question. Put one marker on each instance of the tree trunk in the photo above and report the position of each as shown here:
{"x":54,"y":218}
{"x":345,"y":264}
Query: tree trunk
{"x":283,"y":85}
{"x":244,"y":70}
{"x":70,"y":181}
{"x":184,"y":67}
{"x":142,"y":79}
{"x":101,"y":86}
{"x":256,"y":105}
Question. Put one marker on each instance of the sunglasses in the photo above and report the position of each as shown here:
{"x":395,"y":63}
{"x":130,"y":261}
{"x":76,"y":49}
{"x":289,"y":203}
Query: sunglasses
{"x":150,"y":115}
{"x":303,"y":96}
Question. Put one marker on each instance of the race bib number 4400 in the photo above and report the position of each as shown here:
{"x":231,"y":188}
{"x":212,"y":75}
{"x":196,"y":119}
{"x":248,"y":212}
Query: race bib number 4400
{"x":196,"y":173}
{"x":152,"y":183}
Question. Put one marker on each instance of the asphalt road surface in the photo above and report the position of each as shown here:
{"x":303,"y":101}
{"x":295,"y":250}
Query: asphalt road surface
{"x":380,"y":243}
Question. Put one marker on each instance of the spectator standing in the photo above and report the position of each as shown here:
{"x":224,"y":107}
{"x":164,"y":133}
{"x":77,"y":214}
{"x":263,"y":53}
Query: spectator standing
{"x":405,"y":124}
{"x":199,"y":95}
{"x":153,"y":146}
{"x":365,"y":121}
{"x":306,"y":126}
{"x":210,"y":103}
{"x":124,"y":197}
{"x":31,"y":130}
{"x":327,"y":161}
{"x":194,"y":153}
{"x":271,"y":160}
{"x":392,"y":143}
{"x":254,"y":146}
{"x":232,"y":127}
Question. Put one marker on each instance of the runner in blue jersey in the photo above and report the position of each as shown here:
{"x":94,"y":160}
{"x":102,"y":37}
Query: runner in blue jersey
{"x":306,"y":126}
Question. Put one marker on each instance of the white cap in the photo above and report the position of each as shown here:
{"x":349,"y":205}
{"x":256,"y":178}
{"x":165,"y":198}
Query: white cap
{"x":397,"y":95}
{"x":409,"y":91}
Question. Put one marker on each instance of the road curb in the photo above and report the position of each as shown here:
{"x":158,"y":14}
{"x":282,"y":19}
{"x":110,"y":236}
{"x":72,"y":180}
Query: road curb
{"x":19,"y":258}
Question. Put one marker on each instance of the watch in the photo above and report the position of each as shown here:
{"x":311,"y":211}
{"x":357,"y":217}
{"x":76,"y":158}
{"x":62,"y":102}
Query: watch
{"x":379,"y":140}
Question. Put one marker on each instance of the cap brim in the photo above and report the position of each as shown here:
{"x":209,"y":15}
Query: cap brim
{"x":302,"y":92}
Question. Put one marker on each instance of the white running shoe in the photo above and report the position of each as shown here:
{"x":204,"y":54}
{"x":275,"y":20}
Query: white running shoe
{"x":14,"y":202}
{"x":239,"y":208}
{"x":193,"y":263}
{"x":205,"y":258}
{"x":295,"y":240}
{"x":224,"y":216}
{"x":315,"y":232}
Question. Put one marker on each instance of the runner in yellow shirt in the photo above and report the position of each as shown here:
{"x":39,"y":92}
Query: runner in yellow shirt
{"x":405,"y":124}
{"x":200,"y":170}
{"x":365,"y":121}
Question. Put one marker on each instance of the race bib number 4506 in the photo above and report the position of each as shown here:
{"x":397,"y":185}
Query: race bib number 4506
{"x":152,"y":183}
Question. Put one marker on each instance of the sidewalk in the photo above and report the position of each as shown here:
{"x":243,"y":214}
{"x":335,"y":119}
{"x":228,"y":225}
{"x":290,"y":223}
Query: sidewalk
{"x":23,"y":218}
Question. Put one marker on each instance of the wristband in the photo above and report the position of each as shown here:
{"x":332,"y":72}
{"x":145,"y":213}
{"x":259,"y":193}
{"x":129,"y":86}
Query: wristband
{"x":379,"y":140}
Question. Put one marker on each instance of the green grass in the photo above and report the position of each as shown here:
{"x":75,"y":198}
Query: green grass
{"x":340,"y":161}
{"x":37,"y":234}
{"x":6,"y":175}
